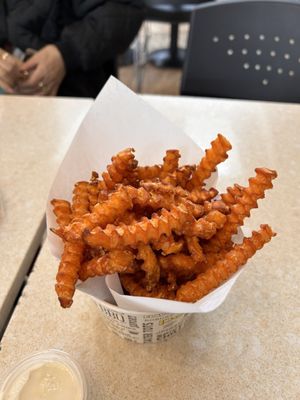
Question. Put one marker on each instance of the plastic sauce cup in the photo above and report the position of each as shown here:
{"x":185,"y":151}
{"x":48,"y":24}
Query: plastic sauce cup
{"x":17,"y":377}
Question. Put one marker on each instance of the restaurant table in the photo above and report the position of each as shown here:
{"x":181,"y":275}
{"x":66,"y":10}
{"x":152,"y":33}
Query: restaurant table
{"x":246,"y":349}
{"x":34,"y":136}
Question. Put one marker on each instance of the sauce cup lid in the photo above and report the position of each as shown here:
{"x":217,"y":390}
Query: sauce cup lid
{"x":39,"y":358}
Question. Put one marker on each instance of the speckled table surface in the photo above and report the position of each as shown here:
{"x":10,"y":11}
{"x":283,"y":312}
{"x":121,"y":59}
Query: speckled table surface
{"x":249,"y":347}
{"x":34,"y":136}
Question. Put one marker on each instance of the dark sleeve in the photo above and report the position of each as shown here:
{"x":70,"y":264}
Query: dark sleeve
{"x":3,"y":31}
{"x":100,"y":35}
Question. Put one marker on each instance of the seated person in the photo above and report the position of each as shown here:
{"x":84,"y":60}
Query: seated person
{"x":72,"y":44}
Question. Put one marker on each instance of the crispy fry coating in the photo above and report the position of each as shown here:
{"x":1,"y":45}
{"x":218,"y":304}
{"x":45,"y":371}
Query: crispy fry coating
{"x":217,"y":205}
{"x":168,"y":245}
{"x":135,"y":288}
{"x":106,"y":212}
{"x":213,"y":156}
{"x":182,"y":265}
{"x":103,"y":213}
{"x":199,"y":196}
{"x":170,"y":163}
{"x":232,"y":193}
{"x":80,"y":200}
{"x":183,"y":174}
{"x":67,"y":275}
{"x":145,"y":231}
{"x":244,"y":203}
{"x":110,"y":263}
{"x":148,"y":173}
{"x":149,"y":265}
{"x":195,"y":249}
{"x":62,"y":211}
{"x":223,"y":269}
{"x":207,"y":226}
{"x":121,"y":167}
{"x":157,"y":226}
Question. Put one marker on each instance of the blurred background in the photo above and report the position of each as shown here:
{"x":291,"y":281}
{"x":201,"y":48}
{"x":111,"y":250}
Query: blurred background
{"x":154,"y":79}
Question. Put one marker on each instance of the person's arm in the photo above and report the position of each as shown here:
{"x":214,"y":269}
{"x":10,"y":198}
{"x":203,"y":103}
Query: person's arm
{"x":104,"y":32}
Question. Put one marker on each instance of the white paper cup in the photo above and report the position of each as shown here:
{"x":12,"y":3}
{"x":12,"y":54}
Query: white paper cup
{"x":141,"y":327}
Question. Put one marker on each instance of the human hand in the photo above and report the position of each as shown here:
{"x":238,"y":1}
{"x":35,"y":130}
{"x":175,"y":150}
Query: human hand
{"x":43,"y":72}
{"x":9,"y":71}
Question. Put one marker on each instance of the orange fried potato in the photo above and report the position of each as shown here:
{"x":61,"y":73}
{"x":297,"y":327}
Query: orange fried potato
{"x":206,"y":227}
{"x":239,"y":211}
{"x":183,"y":174}
{"x":148,"y":173}
{"x":121,"y":167}
{"x":80,"y":200}
{"x":200,"y":195}
{"x":67,"y":275}
{"x":182,"y":265}
{"x":168,"y":245}
{"x":195,"y":249}
{"x":110,"y":263}
{"x":106,"y":212}
{"x":144,"y":231}
{"x":149,"y":265}
{"x":170,"y":163}
{"x":135,"y":288}
{"x":224,"y":269}
{"x":213,"y":156}
{"x":157,"y":226}
{"x":232,"y":193}
{"x":62,"y":211}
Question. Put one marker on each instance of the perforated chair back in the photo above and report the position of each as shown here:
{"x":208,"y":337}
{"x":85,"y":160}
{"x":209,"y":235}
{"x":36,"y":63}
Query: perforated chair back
{"x":244,"y":49}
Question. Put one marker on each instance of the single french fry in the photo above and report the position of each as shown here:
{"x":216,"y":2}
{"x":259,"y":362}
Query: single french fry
{"x":194,"y":290}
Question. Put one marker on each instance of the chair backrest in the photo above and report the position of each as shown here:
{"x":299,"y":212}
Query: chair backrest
{"x":244,"y":49}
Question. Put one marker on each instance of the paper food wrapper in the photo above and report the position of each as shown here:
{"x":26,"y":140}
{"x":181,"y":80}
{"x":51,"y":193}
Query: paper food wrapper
{"x":119,"y":119}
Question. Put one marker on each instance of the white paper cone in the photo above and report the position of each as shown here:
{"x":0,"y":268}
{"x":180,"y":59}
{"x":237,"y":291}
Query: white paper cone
{"x":119,"y":119}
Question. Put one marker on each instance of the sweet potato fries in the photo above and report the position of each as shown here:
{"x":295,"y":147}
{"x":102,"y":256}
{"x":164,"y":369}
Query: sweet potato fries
{"x":159,"y":227}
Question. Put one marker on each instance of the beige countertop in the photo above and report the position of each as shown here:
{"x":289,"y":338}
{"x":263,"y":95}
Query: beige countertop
{"x":249,"y":347}
{"x":34,"y":136}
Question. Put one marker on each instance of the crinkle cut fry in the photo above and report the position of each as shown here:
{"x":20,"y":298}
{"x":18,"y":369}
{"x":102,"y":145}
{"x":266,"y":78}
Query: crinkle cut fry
{"x":232,"y":193}
{"x":170,"y":163}
{"x":213,"y":156}
{"x":181,"y":264}
{"x":135,"y":288}
{"x":144,"y":231}
{"x":200,"y":195}
{"x":149,"y":265}
{"x":207,"y":226}
{"x":80,"y":200}
{"x":148,"y":172}
{"x":179,"y":219}
{"x":122,"y":166}
{"x":195,"y":249}
{"x":244,"y":204}
{"x":67,"y":275}
{"x":197,"y":196}
{"x":62,"y":211}
{"x":194,"y":290}
{"x":106,"y":212}
{"x":112,"y":262}
{"x":183,"y":175}
{"x":168,"y":245}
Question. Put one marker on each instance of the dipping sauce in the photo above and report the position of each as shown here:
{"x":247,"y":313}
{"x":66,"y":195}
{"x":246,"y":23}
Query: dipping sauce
{"x":37,"y":379}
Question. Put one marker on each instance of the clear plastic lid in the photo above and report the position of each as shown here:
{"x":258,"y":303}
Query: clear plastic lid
{"x":14,"y":380}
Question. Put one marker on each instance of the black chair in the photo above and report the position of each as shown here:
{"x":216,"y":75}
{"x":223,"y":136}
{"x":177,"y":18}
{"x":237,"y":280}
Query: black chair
{"x":244,"y":49}
{"x":173,"y":12}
